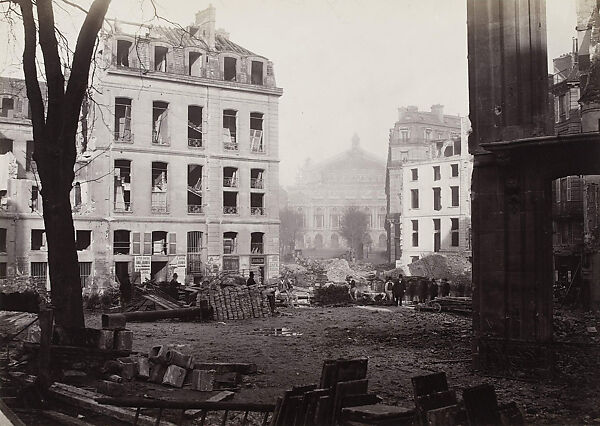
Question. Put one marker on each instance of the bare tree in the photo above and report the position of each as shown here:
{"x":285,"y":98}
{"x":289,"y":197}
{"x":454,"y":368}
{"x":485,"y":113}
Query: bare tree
{"x":353,"y":227}
{"x":54,"y":134}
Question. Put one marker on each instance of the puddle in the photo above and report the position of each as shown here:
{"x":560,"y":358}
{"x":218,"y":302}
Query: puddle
{"x":283,"y":331}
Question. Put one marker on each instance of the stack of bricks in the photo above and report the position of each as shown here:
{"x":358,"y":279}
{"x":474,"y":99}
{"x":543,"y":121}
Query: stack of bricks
{"x":236,"y":302}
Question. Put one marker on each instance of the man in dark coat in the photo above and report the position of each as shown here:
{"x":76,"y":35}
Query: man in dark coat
{"x":250,"y":281}
{"x":445,"y":290}
{"x":398,"y":291}
{"x":423,"y":290}
{"x":433,"y":288}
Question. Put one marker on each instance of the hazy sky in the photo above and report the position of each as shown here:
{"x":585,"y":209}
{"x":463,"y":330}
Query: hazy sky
{"x":346,"y":65}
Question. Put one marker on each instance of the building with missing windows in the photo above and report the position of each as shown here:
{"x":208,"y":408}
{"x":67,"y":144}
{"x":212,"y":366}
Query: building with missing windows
{"x":325,"y":189}
{"x":428,"y":180}
{"x":178,"y":166}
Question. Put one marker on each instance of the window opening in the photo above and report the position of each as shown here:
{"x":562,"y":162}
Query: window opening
{"x":8,"y":106}
{"x":121,"y":241}
{"x":194,"y":249}
{"x":122,"y":186}
{"x":159,"y":242}
{"x":34,"y":198}
{"x":257,"y":206}
{"x":160,"y":123}
{"x":160,"y":58}
{"x":414,"y":198}
{"x":38,"y":239}
{"x":2,"y":240}
{"x":256,"y":179}
{"x":230,"y":177}
{"x":85,"y":273}
{"x":76,"y":196}
{"x":414,"y":174}
{"x":257,"y":72}
{"x":454,"y":232}
{"x":415,"y":233}
{"x":437,"y":175}
{"x":123,"y":119}
{"x":83,"y":239}
{"x":437,"y":235}
{"x":195,"y":126}
{"x":230,"y":130}
{"x":230,"y":204}
{"x":229,"y":68}
{"x":229,"y":242}
{"x":194,"y":193}
{"x":256,"y":132}
{"x":454,"y":170}
{"x":123,"y":49}
{"x":2,"y":270}
{"x":29,"y":162}
{"x":455,"y":193}
{"x":159,"y":187}
{"x":256,"y":243}
{"x":39,"y":272}
{"x":6,"y":146}
{"x":195,"y":64}
{"x":437,"y":198}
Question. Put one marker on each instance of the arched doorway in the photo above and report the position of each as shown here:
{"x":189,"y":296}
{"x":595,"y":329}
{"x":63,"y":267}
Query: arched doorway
{"x":318,"y":241}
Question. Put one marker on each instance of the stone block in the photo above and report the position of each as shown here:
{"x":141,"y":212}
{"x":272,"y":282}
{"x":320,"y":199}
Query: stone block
{"x":445,"y":416}
{"x":128,"y":368}
{"x":123,"y":340}
{"x":174,"y":357}
{"x":143,"y":368}
{"x":110,"y":388}
{"x":203,"y":380}
{"x":174,"y":376}
{"x":113,"y":321}
{"x":100,"y":339}
{"x":158,"y":354}
{"x":157,"y":372}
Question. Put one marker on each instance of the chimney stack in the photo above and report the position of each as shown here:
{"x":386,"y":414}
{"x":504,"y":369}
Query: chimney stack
{"x":438,"y":110}
{"x":205,"y":22}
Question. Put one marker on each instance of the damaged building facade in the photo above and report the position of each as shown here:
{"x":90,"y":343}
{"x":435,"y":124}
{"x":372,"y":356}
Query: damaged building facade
{"x":428,"y":178}
{"x":178,"y":166}
{"x":324,"y":190}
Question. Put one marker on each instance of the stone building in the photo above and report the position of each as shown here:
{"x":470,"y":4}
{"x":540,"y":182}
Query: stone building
{"x":178,"y":167}
{"x":427,"y":185}
{"x":324,"y":190}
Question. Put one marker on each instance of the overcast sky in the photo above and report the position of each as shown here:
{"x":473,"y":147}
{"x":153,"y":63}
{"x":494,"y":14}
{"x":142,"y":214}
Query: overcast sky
{"x":346,"y":65}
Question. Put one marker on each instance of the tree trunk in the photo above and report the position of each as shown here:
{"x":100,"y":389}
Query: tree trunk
{"x":62,"y":256}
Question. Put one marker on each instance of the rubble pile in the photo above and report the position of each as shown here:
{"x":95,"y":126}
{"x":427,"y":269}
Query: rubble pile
{"x":331,"y":294}
{"x":456,"y":268}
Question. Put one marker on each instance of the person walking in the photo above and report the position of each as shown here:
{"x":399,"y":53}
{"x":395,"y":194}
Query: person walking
{"x":389,"y":285}
{"x":398,"y":291}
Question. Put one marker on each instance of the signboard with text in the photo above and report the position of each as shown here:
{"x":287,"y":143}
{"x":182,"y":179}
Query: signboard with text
{"x":142,"y":264}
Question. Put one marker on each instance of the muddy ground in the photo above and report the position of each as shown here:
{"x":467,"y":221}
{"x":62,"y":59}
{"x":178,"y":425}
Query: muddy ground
{"x":399,"y":342}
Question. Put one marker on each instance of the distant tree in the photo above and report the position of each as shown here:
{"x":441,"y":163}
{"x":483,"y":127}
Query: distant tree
{"x":353,"y":227}
{"x":55,"y":122}
{"x":289,"y":229}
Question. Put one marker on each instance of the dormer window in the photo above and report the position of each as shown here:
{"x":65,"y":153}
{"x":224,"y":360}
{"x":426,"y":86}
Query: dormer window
{"x":229,"y":68}
{"x":160,"y":58}
{"x":195,"y":64}
{"x":123,"y":49}
{"x":257,"y":73}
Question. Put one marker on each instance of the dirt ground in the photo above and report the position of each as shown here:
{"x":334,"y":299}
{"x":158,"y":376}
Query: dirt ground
{"x":399,"y":342}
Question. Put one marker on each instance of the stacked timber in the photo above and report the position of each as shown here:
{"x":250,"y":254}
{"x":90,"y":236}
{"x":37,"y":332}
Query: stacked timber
{"x":235,"y":302}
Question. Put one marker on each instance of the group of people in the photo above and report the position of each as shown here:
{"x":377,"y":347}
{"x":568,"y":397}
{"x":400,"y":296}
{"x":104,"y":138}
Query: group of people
{"x":423,"y":288}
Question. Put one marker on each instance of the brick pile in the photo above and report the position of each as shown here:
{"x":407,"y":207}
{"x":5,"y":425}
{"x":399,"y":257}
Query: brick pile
{"x":235,"y":302}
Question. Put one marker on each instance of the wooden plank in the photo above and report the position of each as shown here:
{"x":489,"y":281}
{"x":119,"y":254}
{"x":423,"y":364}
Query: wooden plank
{"x":343,"y":389}
{"x":63,"y":419}
{"x":7,"y":417}
{"x":85,"y":399}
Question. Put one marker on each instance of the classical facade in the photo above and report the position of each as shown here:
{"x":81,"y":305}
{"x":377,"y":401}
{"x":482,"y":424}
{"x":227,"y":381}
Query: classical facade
{"x":179,"y":165}
{"x":427,"y":185}
{"x":324,"y":190}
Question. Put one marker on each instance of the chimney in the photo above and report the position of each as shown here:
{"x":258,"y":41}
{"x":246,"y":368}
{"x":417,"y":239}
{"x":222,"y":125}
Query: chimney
{"x":438,"y":110}
{"x":205,"y":22}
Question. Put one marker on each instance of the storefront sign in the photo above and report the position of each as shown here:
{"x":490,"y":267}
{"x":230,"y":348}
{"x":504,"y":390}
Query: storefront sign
{"x":142,"y":264}
{"x":273,"y":266}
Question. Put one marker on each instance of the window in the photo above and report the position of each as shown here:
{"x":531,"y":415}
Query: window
{"x":83,"y":239}
{"x":256,"y":76}
{"x":230,"y":130}
{"x":122,"y":186}
{"x":454,"y":232}
{"x":159,"y":201}
{"x":35,"y":196}
{"x":437,"y":235}
{"x":456,"y":146}
{"x":194,"y":192}
{"x":231,"y":264}
{"x":6,"y":145}
{"x":2,"y":240}
{"x":121,"y":241}
{"x":230,"y":202}
{"x":76,"y":197}
{"x":563,"y":107}
{"x":574,"y":188}
{"x":229,"y":242}
{"x":29,"y":162}
{"x":415,"y":233}
{"x":123,"y":120}
{"x":414,"y":259}
{"x":256,"y":243}
{"x":195,"y":64}
{"x":2,"y":270}
{"x":403,"y":155}
{"x":439,"y":135}
{"x":195,"y":126}
{"x":194,"y":248}
{"x":414,"y":173}
{"x":454,"y":168}
{"x":85,"y":273}
{"x":160,"y":244}
{"x":160,"y":123}
{"x":381,"y":221}
{"x":319,"y":219}
{"x":229,"y":68}
{"x":256,"y":132}
{"x":256,"y":179}
{"x":437,"y":175}
{"x":404,"y":135}
{"x":123,"y":49}
{"x":335,"y":221}
{"x":427,"y":134}
{"x":8,"y":106}
{"x":39,"y":272}
{"x":414,"y":198}
{"x":455,"y":192}
{"x":257,"y":204}
{"x":38,"y":239}
{"x":160,"y":58}
{"x":230,"y":177}
{"x":437,"y":199}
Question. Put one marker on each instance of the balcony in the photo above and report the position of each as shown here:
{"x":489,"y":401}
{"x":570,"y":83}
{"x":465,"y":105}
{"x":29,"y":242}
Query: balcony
{"x":123,"y":206}
{"x":257,"y":211}
{"x":256,"y":248}
{"x":124,"y":137}
{"x":230,"y":210}
{"x":195,"y":143}
{"x":230,"y":146}
{"x":195,"y":209}
{"x":256,"y":183}
{"x":230,"y":182}
{"x":159,"y":203}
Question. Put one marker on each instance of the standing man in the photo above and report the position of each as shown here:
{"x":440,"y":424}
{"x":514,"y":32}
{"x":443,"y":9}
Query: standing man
{"x":433,"y":288}
{"x":445,"y":290}
{"x":389,"y":286}
{"x":398,"y":291}
{"x":423,"y":289}
{"x":250,"y":281}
